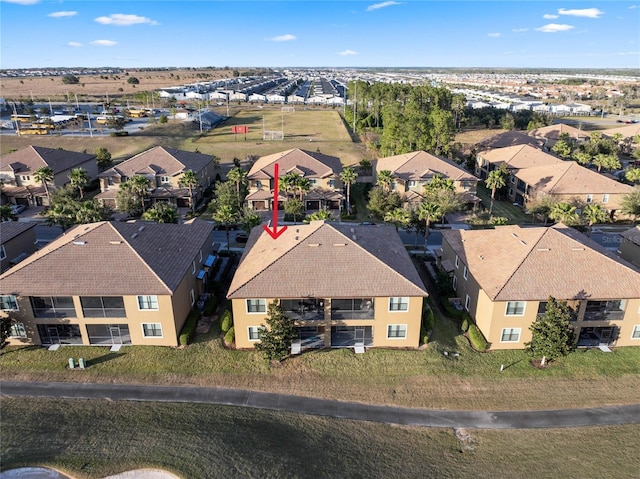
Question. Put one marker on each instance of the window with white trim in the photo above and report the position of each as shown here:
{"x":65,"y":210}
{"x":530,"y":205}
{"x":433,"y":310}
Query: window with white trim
{"x":254,"y":333}
{"x":465,"y":273}
{"x":398,"y":304}
{"x":148,"y":303}
{"x":256,"y":306}
{"x":515,"y":308}
{"x":510,"y":335}
{"x":193,"y":297}
{"x":3,"y":253}
{"x":457,"y":261}
{"x":8,"y":302}
{"x":636,"y":332}
{"x":467,"y":302}
{"x":18,"y":331}
{"x":454,"y":282}
{"x":605,"y":198}
{"x":193,"y":267}
{"x":152,"y":330}
{"x":397,"y":331}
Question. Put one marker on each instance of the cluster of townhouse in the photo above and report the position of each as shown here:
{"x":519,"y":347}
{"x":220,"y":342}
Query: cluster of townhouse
{"x":343,"y":284}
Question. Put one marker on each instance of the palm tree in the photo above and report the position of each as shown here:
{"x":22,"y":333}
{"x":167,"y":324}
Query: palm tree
{"x":44,"y":174}
{"x":397,"y":216}
{"x":428,"y":211}
{"x":139,"y":185}
{"x":385,"y":179}
{"x":288,"y":183}
{"x":6,"y":213}
{"x":189,"y":180}
{"x":495,"y":181}
{"x":564,"y":213}
{"x":303,"y":186}
{"x":438,"y":182}
{"x":594,"y":214}
{"x":162,"y":212}
{"x":79,"y":179}
{"x":324,"y":215}
{"x":225,"y":215}
{"x":348,"y":177}
{"x":238,"y":176}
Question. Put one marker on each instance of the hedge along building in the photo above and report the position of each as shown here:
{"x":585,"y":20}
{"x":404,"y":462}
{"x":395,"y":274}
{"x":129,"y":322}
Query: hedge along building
{"x":109,"y":283}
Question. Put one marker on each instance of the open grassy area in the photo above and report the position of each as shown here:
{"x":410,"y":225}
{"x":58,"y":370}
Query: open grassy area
{"x":92,"y":439}
{"x":514,"y":214}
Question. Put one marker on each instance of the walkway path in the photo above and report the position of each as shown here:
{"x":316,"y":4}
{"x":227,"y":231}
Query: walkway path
{"x":325,"y":407}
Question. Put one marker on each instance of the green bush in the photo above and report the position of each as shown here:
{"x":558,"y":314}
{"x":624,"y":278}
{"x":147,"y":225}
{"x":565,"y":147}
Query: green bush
{"x":424,"y":337}
{"x":189,"y":327}
{"x":230,"y":336}
{"x":226,"y":323}
{"x":427,"y":318}
{"x":477,"y":339}
{"x":465,"y":325}
{"x":119,"y":133}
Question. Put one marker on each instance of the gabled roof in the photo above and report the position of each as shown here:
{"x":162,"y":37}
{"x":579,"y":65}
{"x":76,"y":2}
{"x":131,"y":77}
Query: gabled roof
{"x":632,"y":235}
{"x":324,"y":260}
{"x":519,"y":156}
{"x":509,"y":138}
{"x":553,"y":132}
{"x":110,"y":259}
{"x":513,"y":263}
{"x":420,"y":165}
{"x":26,"y":160}
{"x":11,"y":229}
{"x":160,"y":160}
{"x":627,"y":131}
{"x":306,"y":163}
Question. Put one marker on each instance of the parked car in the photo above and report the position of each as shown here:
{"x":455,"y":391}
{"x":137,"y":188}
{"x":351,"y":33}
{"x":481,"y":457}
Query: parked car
{"x":242,"y":237}
{"x":17,"y":209}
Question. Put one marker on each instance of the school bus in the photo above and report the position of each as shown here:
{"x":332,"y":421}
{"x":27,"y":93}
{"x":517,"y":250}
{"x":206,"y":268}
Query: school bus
{"x":136,"y":113}
{"x":34,"y":130}
{"x":103,"y":120}
{"x":22,"y":118}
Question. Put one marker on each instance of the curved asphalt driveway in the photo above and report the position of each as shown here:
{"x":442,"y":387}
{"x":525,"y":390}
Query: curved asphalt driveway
{"x":327,"y":407}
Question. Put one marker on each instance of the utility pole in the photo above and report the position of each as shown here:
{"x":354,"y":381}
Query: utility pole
{"x":355,"y":103}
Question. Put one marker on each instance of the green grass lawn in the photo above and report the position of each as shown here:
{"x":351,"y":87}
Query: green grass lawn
{"x":96,"y":438}
{"x":514,"y":214}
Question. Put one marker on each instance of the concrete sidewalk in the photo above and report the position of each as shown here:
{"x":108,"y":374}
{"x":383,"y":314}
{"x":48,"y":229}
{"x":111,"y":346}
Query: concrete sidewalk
{"x":557,"y":418}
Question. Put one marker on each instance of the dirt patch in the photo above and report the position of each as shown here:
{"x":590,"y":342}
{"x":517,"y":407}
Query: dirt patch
{"x":466,"y":442}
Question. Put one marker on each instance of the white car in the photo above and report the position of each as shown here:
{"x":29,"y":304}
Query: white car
{"x":17,"y":209}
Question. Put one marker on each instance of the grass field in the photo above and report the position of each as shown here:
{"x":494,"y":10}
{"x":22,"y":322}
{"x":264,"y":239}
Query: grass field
{"x":92,"y":439}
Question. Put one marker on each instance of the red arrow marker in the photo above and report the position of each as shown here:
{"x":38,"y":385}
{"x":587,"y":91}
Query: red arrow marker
{"x":275,"y":232}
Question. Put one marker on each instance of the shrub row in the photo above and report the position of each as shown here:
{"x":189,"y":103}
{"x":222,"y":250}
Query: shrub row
{"x":226,"y":323}
{"x":477,"y":339}
{"x":189,"y":327}
{"x":230,"y":336}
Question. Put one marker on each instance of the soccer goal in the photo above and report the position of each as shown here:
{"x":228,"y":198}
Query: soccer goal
{"x":273,"y":135}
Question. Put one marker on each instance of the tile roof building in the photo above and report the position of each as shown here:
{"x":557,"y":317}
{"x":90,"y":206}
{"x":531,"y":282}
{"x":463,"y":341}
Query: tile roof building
{"x":17,"y":241}
{"x":504,"y":276}
{"x":343,"y":284}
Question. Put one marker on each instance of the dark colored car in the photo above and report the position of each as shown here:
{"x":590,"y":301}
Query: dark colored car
{"x":242,"y":237}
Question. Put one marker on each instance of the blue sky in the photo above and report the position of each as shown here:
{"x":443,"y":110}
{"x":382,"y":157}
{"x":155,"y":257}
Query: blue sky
{"x":235,"y":33}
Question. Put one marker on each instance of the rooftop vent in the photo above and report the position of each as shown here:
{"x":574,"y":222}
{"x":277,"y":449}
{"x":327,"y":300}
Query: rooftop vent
{"x":80,"y":242}
{"x":523,"y":242}
{"x":141,"y":228}
{"x":577,"y":249}
{"x":115,"y":242}
{"x":544,"y":249}
{"x":313,"y":245}
{"x":354,"y":237}
{"x":514,"y":235}
{"x":134,"y":235}
{"x":339,"y":244}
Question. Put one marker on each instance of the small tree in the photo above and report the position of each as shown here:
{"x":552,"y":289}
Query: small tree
{"x":277,"y":335}
{"x":551,"y":335}
{"x":103,"y":158}
{"x":631,"y":205}
{"x":44,"y":175}
{"x":79,"y":179}
{"x":348,"y":177}
{"x":70,"y":80}
{"x":294,"y":207}
{"x":495,"y":181}
{"x":161,"y":212}
{"x":190,"y":181}
{"x":133,"y":81}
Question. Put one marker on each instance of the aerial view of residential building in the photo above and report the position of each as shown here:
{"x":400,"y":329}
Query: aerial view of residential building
{"x":164,"y":167}
{"x":344,"y":285}
{"x":21,"y":183}
{"x":109,"y":283}
{"x":17,"y":241}
{"x":552,"y":133}
{"x":504,"y":277}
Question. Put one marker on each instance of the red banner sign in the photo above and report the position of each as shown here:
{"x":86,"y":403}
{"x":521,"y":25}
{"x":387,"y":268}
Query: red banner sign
{"x":240,"y":129}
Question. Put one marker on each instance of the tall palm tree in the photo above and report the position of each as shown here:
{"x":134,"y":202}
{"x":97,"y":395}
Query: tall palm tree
{"x":594,"y":214}
{"x":495,"y":181}
{"x":79,"y":179}
{"x":288,"y":183}
{"x":225,"y":215}
{"x":385,"y":179}
{"x":348,"y":177}
{"x":565,"y":213}
{"x":238,"y":176}
{"x":397,"y":216}
{"x":189,"y":180}
{"x":303,"y":186}
{"x":428,"y":211}
{"x":139,"y":185}
{"x":162,"y":212}
{"x":44,"y":175}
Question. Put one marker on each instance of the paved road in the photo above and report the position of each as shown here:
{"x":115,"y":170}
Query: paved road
{"x":339,"y":409}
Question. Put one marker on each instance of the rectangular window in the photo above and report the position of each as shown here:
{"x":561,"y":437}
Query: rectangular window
{"x":148,"y":302}
{"x":8,"y":302}
{"x":332,"y":183}
{"x":413,"y":183}
{"x":636,"y":332}
{"x":165,"y":179}
{"x":542,"y":308}
{"x":18,"y":331}
{"x":193,"y":267}
{"x":454,"y":282}
{"x":515,"y":308}
{"x":3,"y":253}
{"x":397,"y":331}
{"x":589,"y":198}
{"x":605,"y":198}
{"x":465,"y":273}
{"x":253,"y":333}
{"x":457,"y":261}
{"x":398,"y":304}
{"x":510,"y":335}
{"x":193,"y":297}
{"x":256,"y":305}
{"x":103,"y":307}
{"x":152,"y":330}
{"x":53,"y":307}
{"x":467,"y":303}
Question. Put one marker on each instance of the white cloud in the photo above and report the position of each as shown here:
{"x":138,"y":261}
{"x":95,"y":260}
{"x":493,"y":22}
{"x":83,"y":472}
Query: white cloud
{"x":585,"y":12}
{"x":518,"y":30}
{"x":494,"y":35}
{"x":554,"y":27}
{"x":347,"y":52}
{"x":633,"y":7}
{"x":104,"y":43}
{"x":124,"y":20}
{"x":74,"y":44}
{"x":23,"y":2}
{"x":378,"y":6}
{"x":283,"y":38}
{"x":627,"y":53}
{"x":62,"y":14}
{"x":549,"y":16}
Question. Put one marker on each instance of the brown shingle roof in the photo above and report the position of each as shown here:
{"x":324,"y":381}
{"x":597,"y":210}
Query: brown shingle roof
{"x":632,"y":235}
{"x":306,"y":163}
{"x":11,"y":229}
{"x":160,"y":160}
{"x":420,"y":165}
{"x":29,"y":159}
{"x":527,"y":264}
{"x":509,"y":138}
{"x":326,"y":260}
{"x":110,"y":258}
{"x":519,"y":156}
{"x":553,"y":132}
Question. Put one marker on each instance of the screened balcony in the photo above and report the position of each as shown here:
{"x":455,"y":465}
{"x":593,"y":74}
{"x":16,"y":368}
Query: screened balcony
{"x":353,"y":308}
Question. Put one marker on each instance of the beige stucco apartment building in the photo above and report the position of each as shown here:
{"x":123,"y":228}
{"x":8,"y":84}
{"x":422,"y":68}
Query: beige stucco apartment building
{"x":109,"y":283}
{"x":17,"y":241}
{"x":504,"y":277}
{"x":344,"y":285}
